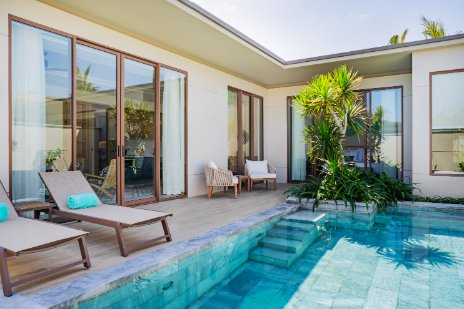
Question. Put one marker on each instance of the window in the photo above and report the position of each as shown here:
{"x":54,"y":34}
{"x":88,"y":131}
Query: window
{"x":380,"y":149}
{"x":122,"y":126}
{"x":447,"y":117}
{"x":41,"y":84}
{"x":245,"y":129}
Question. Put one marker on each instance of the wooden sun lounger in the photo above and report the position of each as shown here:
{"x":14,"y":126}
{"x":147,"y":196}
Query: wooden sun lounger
{"x":22,"y":235}
{"x":62,"y":185}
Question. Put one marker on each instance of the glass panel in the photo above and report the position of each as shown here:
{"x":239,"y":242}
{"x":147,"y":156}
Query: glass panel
{"x":232,"y":115}
{"x":96,"y":119}
{"x":257,"y":128}
{"x":41,"y":108}
{"x":172,"y":133}
{"x":246,"y":101}
{"x":448,"y":123}
{"x":299,"y":159}
{"x":385,"y":136}
{"x":139,"y":133}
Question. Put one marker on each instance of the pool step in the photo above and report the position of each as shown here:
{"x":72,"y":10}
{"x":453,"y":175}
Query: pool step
{"x":295,"y":225}
{"x":307,"y":216}
{"x":284,"y":244}
{"x":289,"y":234}
{"x":273,"y":256}
{"x":287,"y":240}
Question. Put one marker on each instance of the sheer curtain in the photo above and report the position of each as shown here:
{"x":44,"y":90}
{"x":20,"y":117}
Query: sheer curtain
{"x":28,"y":104}
{"x":173,"y":133}
{"x":298,"y":147}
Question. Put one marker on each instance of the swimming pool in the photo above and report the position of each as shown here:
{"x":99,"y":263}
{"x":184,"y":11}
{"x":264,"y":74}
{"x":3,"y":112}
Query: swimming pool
{"x":411,"y":258}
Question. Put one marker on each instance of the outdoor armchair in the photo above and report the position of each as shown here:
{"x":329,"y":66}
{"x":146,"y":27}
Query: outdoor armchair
{"x":216,"y":177}
{"x":260,"y":171}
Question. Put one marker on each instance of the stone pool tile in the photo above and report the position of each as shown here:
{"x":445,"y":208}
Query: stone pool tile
{"x":381,"y":299}
{"x":402,"y":304}
{"x":347,"y":301}
{"x":243,"y":283}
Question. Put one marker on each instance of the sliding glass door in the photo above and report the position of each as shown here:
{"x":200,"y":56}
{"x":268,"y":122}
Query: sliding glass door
{"x":41,"y":90}
{"x":172,"y":155}
{"x":139,"y":130}
{"x":77,"y":105}
{"x":96,"y":119}
{"x":245,"y":129}
{"x":299,"y":166}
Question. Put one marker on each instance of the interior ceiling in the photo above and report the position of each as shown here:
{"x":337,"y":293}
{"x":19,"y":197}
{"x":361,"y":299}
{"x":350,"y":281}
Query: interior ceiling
{"x":178,"y":29}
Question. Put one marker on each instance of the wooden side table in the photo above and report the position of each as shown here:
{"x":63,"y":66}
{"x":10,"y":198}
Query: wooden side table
{"x":242,"y":178}
{"x":36,"y":207}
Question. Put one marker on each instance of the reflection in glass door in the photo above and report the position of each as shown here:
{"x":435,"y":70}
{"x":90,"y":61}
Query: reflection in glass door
{"x":96,"y":112}
{"x":139,"y":130}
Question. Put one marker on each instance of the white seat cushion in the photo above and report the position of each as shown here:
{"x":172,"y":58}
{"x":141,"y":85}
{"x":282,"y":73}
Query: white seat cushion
{"x":234,"y":179}
{"x":263,"y":176}
{"x":257,"y":167}
{"x":212,"y":164}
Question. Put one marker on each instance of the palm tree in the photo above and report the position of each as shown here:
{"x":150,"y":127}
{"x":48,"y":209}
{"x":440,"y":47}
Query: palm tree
{"x":432,"y":28}
{"x":332,"y":98}
{"x":397,"y":40}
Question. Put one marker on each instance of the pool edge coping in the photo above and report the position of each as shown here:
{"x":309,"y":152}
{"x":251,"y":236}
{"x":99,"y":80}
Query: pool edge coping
{"x":68,"y":294}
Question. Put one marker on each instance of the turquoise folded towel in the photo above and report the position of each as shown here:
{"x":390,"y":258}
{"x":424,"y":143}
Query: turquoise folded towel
{"x":3,"y":212}
{"x":85,"y":200}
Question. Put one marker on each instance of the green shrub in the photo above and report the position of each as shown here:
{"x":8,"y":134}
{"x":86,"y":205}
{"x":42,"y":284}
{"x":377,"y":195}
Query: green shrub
{"x":353,"y":185}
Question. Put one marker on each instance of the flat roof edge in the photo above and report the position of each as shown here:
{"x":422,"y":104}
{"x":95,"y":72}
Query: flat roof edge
{"x":269,"y":53}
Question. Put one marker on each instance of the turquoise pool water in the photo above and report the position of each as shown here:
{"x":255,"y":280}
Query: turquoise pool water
{"x":410,"y":259}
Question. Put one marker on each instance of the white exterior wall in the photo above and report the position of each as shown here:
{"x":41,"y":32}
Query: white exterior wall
{"x":423,"y":63}
{"x":275,"y":114}
{"x":207,"y":87}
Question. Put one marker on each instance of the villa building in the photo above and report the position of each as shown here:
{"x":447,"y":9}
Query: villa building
{"x":139,"y":102}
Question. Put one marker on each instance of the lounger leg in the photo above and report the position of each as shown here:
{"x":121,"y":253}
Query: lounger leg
{"x":121,"y":241}
{"x":225,"y":188}
{"x":166,"y":230}
{"x":235,"y":191}
{"x":267,"y":185}
{"x":275,"y":184}
{"x":251,"y":184}
{"x":5,"y":275}
{"x":210,"y":191}
{"x":84,"y":252}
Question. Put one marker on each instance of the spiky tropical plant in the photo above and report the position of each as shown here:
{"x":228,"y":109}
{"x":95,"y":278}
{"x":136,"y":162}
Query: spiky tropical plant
{"x":432,"y":28}
{"x":324,"y":138}
{"x":396,"y":39}
{"x":331,"y":97}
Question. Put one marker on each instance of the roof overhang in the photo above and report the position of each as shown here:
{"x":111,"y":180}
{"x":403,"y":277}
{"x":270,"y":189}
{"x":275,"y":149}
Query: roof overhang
{"x":184,"y":28}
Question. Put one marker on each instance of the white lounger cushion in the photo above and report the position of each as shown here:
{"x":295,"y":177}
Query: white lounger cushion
{"x":257,"y":167}
{"x":263,"y":176}
{"x":234,"y":179}
{"x":19,"y":234}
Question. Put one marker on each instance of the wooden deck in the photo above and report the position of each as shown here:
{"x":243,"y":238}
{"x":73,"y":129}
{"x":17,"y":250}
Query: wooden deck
{"x":192,"y":216}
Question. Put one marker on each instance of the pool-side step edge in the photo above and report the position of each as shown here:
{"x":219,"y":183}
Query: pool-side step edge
{"x":287,"y":240}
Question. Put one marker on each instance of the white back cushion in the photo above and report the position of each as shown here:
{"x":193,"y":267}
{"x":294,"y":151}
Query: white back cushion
{"x":257,"y":167}
{"x":212,"y":164}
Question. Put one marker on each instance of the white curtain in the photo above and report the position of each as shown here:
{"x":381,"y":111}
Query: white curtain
{"x":298,"y":147}
{"x":28,"y":104}
{"x":173,"y":133}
